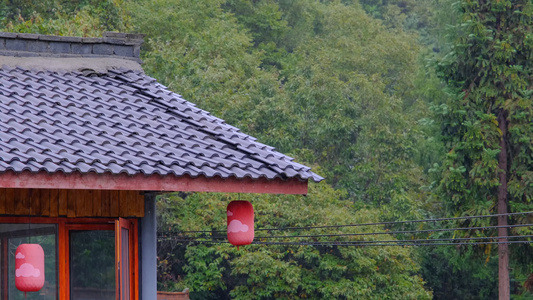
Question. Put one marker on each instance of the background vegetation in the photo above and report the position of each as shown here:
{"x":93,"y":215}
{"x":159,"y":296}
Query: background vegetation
{"x":355,"y":88}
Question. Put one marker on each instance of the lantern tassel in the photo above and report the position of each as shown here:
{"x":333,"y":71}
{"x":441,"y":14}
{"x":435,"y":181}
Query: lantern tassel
{"x":237,"y":248}
{"x":25,"y":295}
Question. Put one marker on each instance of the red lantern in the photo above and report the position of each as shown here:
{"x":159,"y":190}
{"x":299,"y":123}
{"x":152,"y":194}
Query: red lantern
{"x":240,"y":223}
{"x":29,"y":268}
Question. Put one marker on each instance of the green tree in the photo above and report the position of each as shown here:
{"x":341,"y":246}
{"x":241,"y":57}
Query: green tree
{"x":198,"y":49}
{"x":287,"y":271}
{"x":319,"y":79}
{"x":453,"y":272}
{"x":60,"y":17}
{"x":487,"y":124}
{"x":347,"y":99}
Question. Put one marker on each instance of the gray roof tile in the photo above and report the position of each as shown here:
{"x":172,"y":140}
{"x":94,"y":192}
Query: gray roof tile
{"x":122,"y":122}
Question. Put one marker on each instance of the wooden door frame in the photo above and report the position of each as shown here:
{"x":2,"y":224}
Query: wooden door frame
{"x":132,"y":253}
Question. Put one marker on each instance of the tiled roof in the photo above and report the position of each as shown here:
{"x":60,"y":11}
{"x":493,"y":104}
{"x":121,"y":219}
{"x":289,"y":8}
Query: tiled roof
{"x":122,"y":121}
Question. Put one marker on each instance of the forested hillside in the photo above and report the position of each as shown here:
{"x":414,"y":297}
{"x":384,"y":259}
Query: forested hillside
{"x":362,"y":90}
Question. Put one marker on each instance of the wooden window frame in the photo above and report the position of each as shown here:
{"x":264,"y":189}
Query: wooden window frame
{"x":132,"y":255}
{"x":64,"y":225}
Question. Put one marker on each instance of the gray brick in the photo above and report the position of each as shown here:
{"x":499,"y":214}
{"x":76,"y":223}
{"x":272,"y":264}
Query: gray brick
{"x":8,"y":53}
{"x":112,"y":34}
{"x":8,"y":35}
{"x":28,"y":54}
{"x":62,"y":55}
{"x":60,"y":47}
{"x":137,"y":51}
{"x":38,"y":46}
{"x":92,"y":40}
{"x":2,"y":43}
{"x":22,"y":54}
{"x":82,"y":48}
{"x":92,"y":55}
{"x":126,"y":51}
{"x":114,"y":41}
{"x":71,"y":39}
{"x":28,"y":36}
{"x":16,"y":45}
{"x":50,"y":38}
{"x":103,"y":49}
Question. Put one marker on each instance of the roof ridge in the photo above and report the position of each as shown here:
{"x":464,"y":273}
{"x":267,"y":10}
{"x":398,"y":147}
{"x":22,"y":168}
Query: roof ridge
{"x":112,"y":44}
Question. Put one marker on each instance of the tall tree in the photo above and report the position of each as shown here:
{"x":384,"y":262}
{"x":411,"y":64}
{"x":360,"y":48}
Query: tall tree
{"x":487,"y":125}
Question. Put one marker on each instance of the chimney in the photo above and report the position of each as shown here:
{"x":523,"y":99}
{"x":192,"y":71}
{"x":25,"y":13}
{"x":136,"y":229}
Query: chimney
{"x":111,"y":45}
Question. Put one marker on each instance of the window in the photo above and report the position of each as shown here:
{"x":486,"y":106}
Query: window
{"x":85,"y":259}
{"x":12,"y":235}
{"x":92,"y":264}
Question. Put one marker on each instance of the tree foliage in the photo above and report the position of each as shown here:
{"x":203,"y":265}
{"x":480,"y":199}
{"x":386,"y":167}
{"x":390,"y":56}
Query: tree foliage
{"x":60,"y":17}
{"x":489,"y":74}
{"x":486,"y":124}
{"x":351,"y":110}
{"x":288,"y":271}
{"x":343,"y":85}
{"x":459,"y":273}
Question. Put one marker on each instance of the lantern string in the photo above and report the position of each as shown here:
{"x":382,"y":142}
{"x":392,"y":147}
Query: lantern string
{"x":29,"y":229}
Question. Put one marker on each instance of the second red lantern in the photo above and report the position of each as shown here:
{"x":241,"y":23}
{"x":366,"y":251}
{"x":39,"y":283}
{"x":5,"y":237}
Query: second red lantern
{"x":240,"y":223}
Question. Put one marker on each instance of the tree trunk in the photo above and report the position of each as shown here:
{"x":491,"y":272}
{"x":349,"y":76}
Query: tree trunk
{"x":504,"y":290}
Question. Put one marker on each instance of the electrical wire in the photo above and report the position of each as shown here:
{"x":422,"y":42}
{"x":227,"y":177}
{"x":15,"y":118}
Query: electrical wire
{"x":165,"y":234}
{"x":340,"y":243}
{"x":369,"y":224}
{"x":397,"y":241}
{"x":399,"y":244}
{"x":183,"y":236}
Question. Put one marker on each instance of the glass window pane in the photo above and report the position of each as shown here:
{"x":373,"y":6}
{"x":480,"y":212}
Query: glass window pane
{"x":92,"y":265}
{"x":44,"y":235}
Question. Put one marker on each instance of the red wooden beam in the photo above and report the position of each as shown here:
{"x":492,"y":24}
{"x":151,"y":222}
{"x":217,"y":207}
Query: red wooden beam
{"x":140,"y":182}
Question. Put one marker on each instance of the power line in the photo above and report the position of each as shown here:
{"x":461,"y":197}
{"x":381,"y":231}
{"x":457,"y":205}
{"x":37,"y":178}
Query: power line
{"x":368,"y":224}
{"x":434,"y":240}
{"x":383,"y":241}
{"x":169,"y":234}
{"x":355,"y":244}
{"x":399,"y":244}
